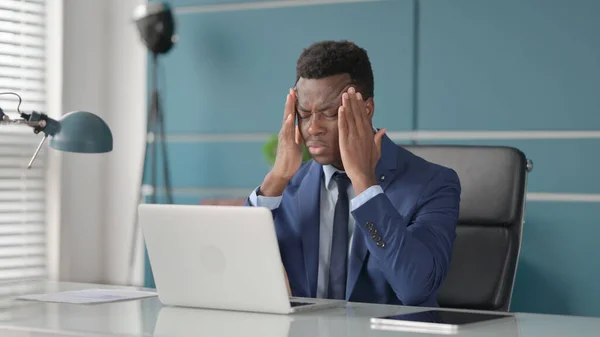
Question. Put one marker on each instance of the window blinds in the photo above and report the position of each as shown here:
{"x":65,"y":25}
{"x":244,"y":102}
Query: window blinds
{"x":22,"y":191}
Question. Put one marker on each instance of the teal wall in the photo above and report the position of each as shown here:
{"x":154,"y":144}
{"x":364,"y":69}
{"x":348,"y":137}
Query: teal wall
{"x":456,"y":65}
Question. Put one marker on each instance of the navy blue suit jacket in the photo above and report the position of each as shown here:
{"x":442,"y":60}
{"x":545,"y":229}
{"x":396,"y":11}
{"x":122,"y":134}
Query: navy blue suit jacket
{"x":414,"y":221}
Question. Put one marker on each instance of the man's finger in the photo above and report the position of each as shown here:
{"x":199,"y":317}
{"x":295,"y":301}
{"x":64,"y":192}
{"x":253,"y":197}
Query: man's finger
{"x":298,"y":136}
{"x":348,"y":115}
{"x":287,"y":131}
{"x":378,"y":137}
{"x":290,"y":105}
{"x":342,"y":124}
{"x":357,"y":111}
{"x":363,"y":110}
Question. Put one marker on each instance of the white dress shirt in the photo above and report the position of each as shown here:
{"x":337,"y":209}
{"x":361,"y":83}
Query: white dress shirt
{"x":329,"y":196}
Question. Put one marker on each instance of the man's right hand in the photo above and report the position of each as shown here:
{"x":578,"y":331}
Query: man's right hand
{"x":289,"y":152}
{"x":287,"y":282}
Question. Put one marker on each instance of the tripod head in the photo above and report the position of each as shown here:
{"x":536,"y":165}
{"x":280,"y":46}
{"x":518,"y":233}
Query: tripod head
{"x":156,"y":27}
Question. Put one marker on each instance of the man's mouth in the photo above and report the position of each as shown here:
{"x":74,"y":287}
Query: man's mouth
{"x":315,"y":148}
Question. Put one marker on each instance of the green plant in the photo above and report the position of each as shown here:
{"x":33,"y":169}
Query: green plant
{"x":270,"y":150}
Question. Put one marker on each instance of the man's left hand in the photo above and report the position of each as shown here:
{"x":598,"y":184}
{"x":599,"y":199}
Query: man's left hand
{"x":360,"y":146}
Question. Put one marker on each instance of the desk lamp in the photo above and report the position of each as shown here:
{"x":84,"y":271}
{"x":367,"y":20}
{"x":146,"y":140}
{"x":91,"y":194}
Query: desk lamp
{"x":77,"y":131}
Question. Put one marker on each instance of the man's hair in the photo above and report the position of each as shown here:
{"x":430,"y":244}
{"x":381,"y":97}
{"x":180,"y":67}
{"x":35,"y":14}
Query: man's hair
{"x":328,"y":58}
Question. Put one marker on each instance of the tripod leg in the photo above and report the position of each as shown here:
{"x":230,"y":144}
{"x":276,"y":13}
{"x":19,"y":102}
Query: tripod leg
{"x":140,"y":197}
{"x":155,"y":127}
{"x":165,"y":159}
{"x":150,"y":128}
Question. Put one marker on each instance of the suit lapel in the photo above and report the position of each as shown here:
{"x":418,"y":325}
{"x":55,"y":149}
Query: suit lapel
{"x":386,"y":172}
{"x":309,"y":200}
{"x":356,"y":260}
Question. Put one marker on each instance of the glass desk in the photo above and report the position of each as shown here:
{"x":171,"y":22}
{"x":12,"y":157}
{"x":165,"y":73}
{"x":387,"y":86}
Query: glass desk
{"x":148,"y":317}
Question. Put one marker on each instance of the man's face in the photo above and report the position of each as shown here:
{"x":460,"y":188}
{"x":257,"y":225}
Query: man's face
{"x":317,"y":108}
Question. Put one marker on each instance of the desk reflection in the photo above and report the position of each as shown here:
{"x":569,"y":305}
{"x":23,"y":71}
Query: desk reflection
{"x":180,"y":322}
{"x":183,"y":322}
{"x":340,"y":322}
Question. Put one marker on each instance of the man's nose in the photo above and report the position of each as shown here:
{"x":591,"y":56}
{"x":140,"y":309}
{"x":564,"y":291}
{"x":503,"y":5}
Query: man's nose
{"x":316,"y":125}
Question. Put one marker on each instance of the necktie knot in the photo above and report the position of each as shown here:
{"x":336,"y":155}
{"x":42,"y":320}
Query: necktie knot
{"x":342,"y":181}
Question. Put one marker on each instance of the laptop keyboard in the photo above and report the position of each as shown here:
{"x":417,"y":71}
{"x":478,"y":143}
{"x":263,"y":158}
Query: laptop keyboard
{"x":299,"y":304}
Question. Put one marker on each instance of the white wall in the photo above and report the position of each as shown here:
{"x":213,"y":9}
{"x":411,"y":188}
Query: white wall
{"x":104,"y":72}
{"x":127,"y":106}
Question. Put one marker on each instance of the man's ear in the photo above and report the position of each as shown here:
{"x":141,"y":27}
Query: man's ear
{"x":370,"y":107}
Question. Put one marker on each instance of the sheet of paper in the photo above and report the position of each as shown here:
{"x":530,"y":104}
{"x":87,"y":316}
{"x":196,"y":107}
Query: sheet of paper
{"x":89,"y":296}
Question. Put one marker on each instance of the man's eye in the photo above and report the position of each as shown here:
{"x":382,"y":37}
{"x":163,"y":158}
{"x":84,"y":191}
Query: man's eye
{"x":304,"y":115}
{"x":327,"y":114}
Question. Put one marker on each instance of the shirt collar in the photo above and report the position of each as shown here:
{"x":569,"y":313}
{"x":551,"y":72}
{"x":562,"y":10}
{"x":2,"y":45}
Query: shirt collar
{"x":328,"y":172}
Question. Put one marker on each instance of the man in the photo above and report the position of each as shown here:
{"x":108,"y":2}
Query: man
{"x":365,"y":220}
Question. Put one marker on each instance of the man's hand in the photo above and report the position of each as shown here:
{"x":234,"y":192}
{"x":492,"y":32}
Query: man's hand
{"x":287,"y":282}
{"x":360,"y":147}
{"x":289,"y":152}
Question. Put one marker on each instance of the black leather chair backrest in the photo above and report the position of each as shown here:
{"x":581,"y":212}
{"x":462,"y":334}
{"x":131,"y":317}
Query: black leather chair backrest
{"x":488,"y":242}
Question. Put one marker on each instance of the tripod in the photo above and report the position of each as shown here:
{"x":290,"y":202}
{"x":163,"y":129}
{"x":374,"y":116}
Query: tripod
{"x":154,"y":137}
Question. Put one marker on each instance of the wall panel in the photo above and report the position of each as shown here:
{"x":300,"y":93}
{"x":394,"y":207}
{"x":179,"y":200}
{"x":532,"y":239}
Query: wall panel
{"x":202,"y":3}
{"x":558,"y":271}
{"x":559,"y":165}
{"x":230,"y":71}
{"x":210,"y":165}
{"x":509,"y":65}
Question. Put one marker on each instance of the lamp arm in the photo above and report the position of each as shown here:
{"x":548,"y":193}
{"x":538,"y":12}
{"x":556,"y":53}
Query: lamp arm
{"x":37,"y":151}
{"x":39,"y":122}
{"x":8,"y":121}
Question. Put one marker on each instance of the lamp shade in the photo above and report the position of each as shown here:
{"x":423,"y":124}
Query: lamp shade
{"x":82,"y":132}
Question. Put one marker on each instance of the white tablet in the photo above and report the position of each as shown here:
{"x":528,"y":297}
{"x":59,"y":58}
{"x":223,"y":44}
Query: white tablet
{"x":436,"y":321}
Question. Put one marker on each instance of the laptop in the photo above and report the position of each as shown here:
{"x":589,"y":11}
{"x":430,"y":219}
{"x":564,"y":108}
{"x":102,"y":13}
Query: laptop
{"x":219,"y":257}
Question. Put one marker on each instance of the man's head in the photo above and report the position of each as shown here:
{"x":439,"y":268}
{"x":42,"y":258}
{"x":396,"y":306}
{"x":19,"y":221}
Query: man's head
{"x":324,"y":71}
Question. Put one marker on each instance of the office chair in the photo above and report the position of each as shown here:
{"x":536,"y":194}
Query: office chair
{"x":490,"y":227}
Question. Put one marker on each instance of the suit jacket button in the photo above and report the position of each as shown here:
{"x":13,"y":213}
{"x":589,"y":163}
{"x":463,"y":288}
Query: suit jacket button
{"x":377,"y":238}
{"x":370,"y":225}
{"x":380,"y":244}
